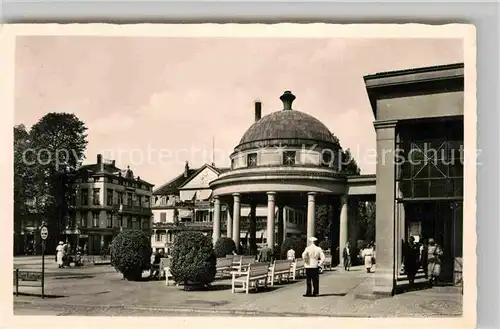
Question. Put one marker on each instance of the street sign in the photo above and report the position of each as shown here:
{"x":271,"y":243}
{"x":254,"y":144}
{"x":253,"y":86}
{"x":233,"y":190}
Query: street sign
{"x":44,"y":232}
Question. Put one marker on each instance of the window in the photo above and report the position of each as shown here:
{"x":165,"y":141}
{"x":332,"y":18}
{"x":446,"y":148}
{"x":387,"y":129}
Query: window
{"x":84,"y":218}
{"x":163,"y":217}
{"x":109,"y":220}
{"x":95,"y":219}
{"x":147,"y":201}
{"x":109,"y":197}
{"x":120,"y":197}
{"x":158,"y":237}
{"x":252,"y":160}
{"x":120,"y":221}
{"x":96,"y":196}
{"x":145,"y":223}
{"x":327,"y":159}
{"x":129,"y":199}
{"x":85,"y":197}
{"x":129,"y":222}
{"x":163,"y":200}
{"x":289,"y":158}
{"x":73,"y":198}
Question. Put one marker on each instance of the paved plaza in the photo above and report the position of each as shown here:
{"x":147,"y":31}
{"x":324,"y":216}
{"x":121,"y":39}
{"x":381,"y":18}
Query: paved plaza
{"x":99,"y":290}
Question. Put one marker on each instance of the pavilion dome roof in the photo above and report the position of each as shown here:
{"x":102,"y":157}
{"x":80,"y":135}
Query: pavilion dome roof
{"x":286,"y":126}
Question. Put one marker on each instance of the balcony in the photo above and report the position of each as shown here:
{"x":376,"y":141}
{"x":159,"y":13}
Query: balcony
{"x":195,"y":226}
{"x":132,"y":209}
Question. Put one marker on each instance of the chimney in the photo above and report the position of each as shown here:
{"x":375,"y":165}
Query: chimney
{"x":100,"y":163}
{"x":113,"y":163}
{"x":287,"y":98}
{"x":258,"y":111}
{"x":186,"y":169}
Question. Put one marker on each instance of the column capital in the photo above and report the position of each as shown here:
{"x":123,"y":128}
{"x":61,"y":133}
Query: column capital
{"x":311,"y":193}
{"x":216,"y":197}
{"x":344,"y":199}
{"x":271,"y":193}
{"x":236,"y":194}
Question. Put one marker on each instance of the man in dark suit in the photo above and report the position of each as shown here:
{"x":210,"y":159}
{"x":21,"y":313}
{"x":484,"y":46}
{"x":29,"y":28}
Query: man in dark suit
{"x":265,"y":254}
{"x":346,"y":255}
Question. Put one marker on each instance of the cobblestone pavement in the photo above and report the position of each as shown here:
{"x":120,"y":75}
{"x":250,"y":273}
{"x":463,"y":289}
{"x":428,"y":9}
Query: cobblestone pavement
{"x":107,"y":294}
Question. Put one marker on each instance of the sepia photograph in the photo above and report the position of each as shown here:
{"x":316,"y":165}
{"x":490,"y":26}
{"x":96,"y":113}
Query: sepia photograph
{"x":253,"y":171}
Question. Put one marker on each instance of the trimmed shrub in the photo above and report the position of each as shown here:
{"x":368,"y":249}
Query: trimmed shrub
{"x":131,"y":253}
{"x":295,"y":243}
{"x":193,"y":259}
{"x":325,"y":245}
{"x":224,"y":246}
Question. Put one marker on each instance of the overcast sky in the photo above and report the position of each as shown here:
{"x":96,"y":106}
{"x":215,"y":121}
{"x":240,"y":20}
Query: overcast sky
{"x":153,"y":103}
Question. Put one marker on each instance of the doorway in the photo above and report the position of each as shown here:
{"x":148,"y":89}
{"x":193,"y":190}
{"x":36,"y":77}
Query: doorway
{"x":441,"y":220}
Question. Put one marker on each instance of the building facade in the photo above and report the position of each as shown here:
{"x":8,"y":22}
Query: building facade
{"x":186,"y":203}
{"x":106,"y":201}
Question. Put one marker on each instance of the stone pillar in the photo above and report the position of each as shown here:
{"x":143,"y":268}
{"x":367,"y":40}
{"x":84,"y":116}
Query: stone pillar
{"x":236,"y":220}
{"x":271,"y":208}
{"x":280,"y":225}
{"x":344,"y":225}
{"x":385,"y":221}
{"x":311,"y":210}
{"x":216,"y":220}
{"x":253,"y":228}
{"x":229,"y":221}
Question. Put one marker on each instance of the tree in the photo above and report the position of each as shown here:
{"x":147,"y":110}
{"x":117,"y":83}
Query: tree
{"x":58,"y":140}
{"x":324,"y":220}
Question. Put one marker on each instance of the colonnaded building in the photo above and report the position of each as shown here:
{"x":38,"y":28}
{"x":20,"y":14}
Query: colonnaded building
{"x":284,"y":161}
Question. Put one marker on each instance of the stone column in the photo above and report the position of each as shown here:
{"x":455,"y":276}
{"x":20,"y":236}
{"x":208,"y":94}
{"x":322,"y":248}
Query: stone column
{"x":385,"y":221}
{"x":344,"y":224}
{"x":216,"y":220}
{"x":280,"y":225}
{"x":271,"y":208}
{"x":253,"y":228}
{"x":229,"y":221}
{"x":311,"y":213}
{"x":236,"y":220}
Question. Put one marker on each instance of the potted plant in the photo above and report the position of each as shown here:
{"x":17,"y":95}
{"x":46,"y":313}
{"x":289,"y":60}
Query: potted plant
{"x":131,"y":253}
{"x":193,"y":260}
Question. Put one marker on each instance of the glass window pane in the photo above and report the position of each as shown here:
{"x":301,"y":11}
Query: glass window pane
{"x":458,"y":187}
{"x":456,"y":169}
{"x":438,"y":170}
{"x":438,"y":188}
{"x":421,"y":189}
{"x":405,"y":188}
{"x":421,"y":171}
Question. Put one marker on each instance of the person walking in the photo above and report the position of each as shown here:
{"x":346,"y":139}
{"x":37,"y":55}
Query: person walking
{"x":346,"y":255}
{"x":411,"y":259}
{"x":368,"y":255}
{"x":313,"y":259}
{"x":434,"y":254}
{"x":60,"y":254}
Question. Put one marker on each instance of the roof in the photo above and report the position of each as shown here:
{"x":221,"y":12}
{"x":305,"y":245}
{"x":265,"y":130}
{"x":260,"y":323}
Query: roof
{"x":110,"y":169}
{"x":286,"y":125}
{"x":172,"y":186}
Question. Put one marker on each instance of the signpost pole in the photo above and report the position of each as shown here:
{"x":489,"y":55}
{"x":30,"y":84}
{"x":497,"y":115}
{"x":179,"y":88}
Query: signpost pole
{"x":43,"y":269}
{"x":44,"y":233}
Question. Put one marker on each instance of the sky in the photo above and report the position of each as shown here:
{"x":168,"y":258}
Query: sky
{"x":155,"y":103}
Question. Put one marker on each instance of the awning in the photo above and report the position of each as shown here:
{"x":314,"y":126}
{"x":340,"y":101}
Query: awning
{"x":203,"y":195}
{"x":188,"y":195}
{"x":185,"y":213}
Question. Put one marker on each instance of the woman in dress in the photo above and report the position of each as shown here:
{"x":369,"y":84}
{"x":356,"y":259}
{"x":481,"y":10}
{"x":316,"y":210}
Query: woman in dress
{"x":434,"y":254}
{"x":60,"y":254}
{"x":368,"y":255}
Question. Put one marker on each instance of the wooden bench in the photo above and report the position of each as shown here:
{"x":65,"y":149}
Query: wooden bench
{"x":224,"y":265}
{"x":298,"y":268}
{"x":241,"y":263}
{"x":256,"y":273}
{"x":280,"y":269}
{"x":327,"y":264}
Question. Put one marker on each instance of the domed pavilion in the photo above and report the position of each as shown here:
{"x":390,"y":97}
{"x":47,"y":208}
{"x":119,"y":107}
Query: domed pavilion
{"x":286,"y":158}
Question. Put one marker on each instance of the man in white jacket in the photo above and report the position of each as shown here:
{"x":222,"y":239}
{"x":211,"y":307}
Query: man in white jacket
{"x":313,"y":259}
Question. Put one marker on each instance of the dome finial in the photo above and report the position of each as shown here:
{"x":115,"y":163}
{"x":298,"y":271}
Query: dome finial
{"x":287,"y":98}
